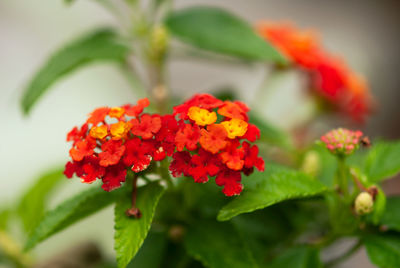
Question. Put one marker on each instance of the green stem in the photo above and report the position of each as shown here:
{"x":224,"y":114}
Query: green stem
{"x":347,"y":254}
{"x":342,"y":177}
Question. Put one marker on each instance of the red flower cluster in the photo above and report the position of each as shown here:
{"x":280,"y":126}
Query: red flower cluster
{"x":115,"y":139}
{"x":331,"y":79}
{"x":208,"y":146}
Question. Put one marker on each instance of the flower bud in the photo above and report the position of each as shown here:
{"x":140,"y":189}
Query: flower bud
{"x":364,"y":203}
{"x":158,"y":43}
{"x":342,"y":141}
{"x":311,"y":163}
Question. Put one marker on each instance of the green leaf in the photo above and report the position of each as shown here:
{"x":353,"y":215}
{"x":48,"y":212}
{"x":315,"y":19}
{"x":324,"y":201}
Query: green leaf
{"x":383,"y":161}
{"x":129,"y":232}
{"x":383,"y":250}
{"x":217,"y":245}
{"x":391,"y":215}
{"x":32,"y":204}
{"x":72,"y":210}
{"x":151,"y":253}
{"x":270,"y":133}
{"x":274,"y":185}
{"x":4,"y":218}
{"x":101,"y":45}
{"x":217,"y":30}
{"x":379,"y":206}
{"x":298,"y":257}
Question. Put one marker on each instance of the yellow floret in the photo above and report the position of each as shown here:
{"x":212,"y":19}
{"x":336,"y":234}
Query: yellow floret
{"x":235,"y":127}
{"x":116,"y":112}
{"x":99,"y":132}
{"x":119,"y":130}
{"x":201,"y":116}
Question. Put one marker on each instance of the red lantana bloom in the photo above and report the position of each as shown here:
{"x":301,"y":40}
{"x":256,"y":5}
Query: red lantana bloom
{"x":331,"y":79}
{"x":220,"y":151}
{"x":106,"y":150}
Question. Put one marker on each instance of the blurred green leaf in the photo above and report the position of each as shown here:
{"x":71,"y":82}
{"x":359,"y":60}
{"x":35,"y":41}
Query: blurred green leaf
{"x":379,"y":206}
{"x":70,"y":211}
{"x":32,"y":204}
{"x":383,"y":250}
{"x":328,"y":166}
{"x":151,"y":252}
{"x":129,"y":232}
{"x":217,"y":30}
{"x":4,"y":218}
{"x":217,"y":245}
{"x":272,"y":186}
{"x":341,"y":215}
{"x":270,"y":133}
{"x":101,"y":45}
{"x":298,"y":257}
{"x":383,"y":161}
{"x":391,"y":215}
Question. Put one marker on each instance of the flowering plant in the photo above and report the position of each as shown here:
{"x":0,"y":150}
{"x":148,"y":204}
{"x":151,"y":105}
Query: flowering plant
{"x":287,"y":195}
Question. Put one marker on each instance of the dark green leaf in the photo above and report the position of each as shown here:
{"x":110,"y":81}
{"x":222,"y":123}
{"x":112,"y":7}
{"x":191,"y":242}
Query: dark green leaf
{"x":383,"y":250}
{"x":383,"y":161}
{"x":217,"y":30}
{"x":298,"y":257}
{"x":32,"y":204}
{"x":70,"y":211}
{"x":151,"y":253}
{"x":270,"y":133}
{"x":102,"y":45}
{"x":217,"y":245}
{"x":129,"y":232}
{"x":274,"y":185}
{"x":391,"y":216}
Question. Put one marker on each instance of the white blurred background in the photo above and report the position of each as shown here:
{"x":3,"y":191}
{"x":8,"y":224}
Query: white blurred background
{"x":364,"y":32}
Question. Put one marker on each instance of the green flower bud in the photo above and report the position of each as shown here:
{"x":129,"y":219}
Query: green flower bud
{"x":364,"y":203}
{"x":311,"y":163}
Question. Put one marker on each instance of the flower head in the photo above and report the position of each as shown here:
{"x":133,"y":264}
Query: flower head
{"x":330,"y":78}
{"x":342,"y":141}
{"x":105,"y":150}
{"x":213,"y":133}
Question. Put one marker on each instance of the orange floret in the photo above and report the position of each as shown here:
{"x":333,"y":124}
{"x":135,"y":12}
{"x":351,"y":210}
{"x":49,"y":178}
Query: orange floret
{"x":214,"y":138}
{"x":119,"y":130}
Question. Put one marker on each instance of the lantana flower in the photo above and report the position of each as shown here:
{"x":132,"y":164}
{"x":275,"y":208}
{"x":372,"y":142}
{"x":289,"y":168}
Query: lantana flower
{"x":205,"y":137}
{"x":342,"y":141}
{"x":105,"y":149}
{"x":330,"y":78}
{"x":214,"y":133}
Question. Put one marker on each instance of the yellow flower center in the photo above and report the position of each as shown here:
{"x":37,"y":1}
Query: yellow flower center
{"x":119,"y":130}
{"x":201,"y":116}
{"x":99,"y":132}
{"x":116,"y":112}
{"x":235,"y":127}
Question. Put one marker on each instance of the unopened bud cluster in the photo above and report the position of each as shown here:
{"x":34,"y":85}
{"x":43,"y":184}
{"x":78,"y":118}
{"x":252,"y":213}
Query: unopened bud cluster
{"x":342,"y":141}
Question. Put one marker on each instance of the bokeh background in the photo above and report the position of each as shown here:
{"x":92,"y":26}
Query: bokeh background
{"x":365,"y":32}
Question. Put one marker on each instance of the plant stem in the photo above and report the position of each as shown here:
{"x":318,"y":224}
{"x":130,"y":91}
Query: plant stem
{"x":342,"y":177}
{"x":347,"y":254}
{"x":134,"y":211}
{"x":13,"y":251}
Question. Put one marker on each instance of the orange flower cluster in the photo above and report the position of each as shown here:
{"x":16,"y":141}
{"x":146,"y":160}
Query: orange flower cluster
{"x":115,"y":139}
{"x":207,"y":140}
{"x":211,"y":142}
{"x":330,"y":77}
